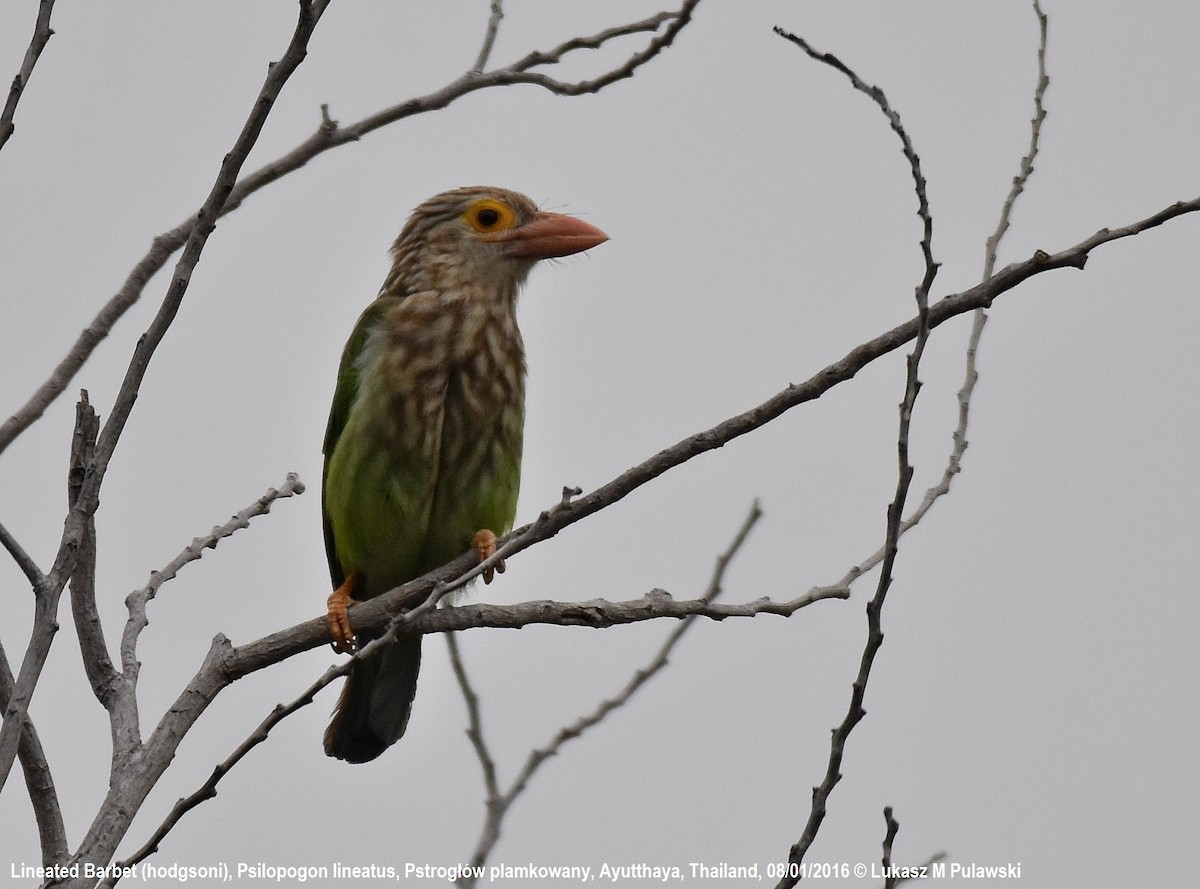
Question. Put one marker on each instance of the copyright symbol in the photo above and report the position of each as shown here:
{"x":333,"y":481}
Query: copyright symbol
{"x":860,"y":870}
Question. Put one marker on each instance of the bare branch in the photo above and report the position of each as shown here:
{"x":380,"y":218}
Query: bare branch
{"x":410,"y":621}
{"x":520,"y":72}
{"x":47,"y":593}
{"x":474,"y":723}
{"x":876,"y":94}
{"x":24,"y":561}
{"x":96,"y":662}
{"x":598,"y":613}
{"x":895,"y":512}
{"x":208,"y":789}
{"x":226,"y":664}
{"x":121,"y":702}
{"x":1025,"y":169}
{"x":327,"y":136}
{"x":39,"y":783}
{"x":874,"y":642}
{"x":893,"y":827}
{"x":137,"y":600}
{"x":971,"y":375}
{"x":595,"y":613}
{"x":489,"y":38}
{"x":42,"y":33}
{"x":87,"y":502}
{"x":206,"y":220}
{"x":487,"y":763}
{"x":497,"y":804}
{"x":380,"y":610}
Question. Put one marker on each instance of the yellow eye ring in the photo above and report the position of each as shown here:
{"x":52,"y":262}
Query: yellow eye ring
{"x":488,"y":215}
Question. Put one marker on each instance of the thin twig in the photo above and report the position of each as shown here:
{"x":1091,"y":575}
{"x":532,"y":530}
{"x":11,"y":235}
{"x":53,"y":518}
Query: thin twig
{"x":520,"y":72}
{"x":489,"y":38}
{"x":876,"y":94}
{"x":889,"y":838}
{"x":24,"y":561}
{"x":487,"y":763}
{"x":1025,"y":169}
{"x":42,"y":33}
{"x":137,"y":601}
{"x":895,"y":511}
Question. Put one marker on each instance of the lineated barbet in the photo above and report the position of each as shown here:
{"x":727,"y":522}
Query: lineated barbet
{"x":423,"y":447}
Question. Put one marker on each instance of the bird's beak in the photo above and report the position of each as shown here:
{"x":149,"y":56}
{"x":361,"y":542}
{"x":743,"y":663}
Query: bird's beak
{"x":550,"y":234}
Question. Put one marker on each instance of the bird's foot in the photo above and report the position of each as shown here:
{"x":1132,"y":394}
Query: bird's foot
{"x":485,"y":545}
{"x":340,"y":632}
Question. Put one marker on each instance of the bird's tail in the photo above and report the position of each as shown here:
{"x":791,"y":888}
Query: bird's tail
{"x":375,"y":703}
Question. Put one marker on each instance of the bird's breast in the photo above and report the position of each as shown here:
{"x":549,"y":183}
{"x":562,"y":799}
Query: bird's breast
{"x":438,"y":361}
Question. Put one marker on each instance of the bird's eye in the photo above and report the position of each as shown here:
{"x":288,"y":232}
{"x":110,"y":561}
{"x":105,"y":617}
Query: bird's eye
{"x":489,"y":215}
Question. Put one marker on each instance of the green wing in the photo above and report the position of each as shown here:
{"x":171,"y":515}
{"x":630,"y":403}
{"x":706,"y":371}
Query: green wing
{"x":344,"y":394}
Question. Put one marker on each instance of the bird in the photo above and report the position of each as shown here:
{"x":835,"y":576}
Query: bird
{"x":423,"y":445}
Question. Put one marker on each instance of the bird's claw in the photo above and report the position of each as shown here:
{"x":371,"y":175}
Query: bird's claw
{"x":484,"y":543}
{"x":340,"y":632}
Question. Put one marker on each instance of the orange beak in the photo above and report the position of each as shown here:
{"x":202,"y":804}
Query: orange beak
{"x":551,"y":234}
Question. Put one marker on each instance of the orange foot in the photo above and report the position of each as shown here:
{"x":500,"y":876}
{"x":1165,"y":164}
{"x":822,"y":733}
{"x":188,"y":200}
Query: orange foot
{"x":485,"y":544}
{"x":340,"y":632}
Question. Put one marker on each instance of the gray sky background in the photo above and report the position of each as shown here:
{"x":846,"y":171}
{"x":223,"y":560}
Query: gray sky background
{"x":1036,"y":696}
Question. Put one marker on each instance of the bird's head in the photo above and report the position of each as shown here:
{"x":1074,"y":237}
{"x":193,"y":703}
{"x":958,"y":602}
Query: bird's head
{"x":481,"y":237}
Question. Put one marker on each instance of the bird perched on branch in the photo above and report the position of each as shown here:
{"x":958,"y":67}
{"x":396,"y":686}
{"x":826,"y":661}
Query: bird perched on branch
{"x":423,"y":447}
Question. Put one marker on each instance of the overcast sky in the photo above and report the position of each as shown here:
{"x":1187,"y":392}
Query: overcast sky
{"x":1036,"y":698}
